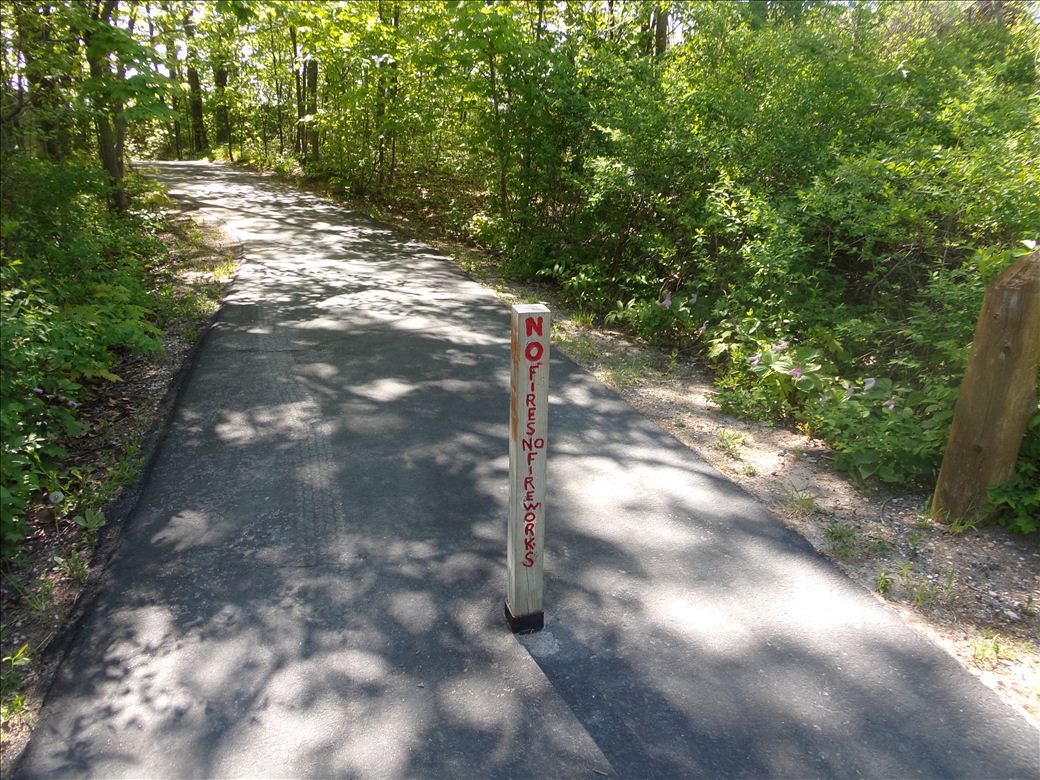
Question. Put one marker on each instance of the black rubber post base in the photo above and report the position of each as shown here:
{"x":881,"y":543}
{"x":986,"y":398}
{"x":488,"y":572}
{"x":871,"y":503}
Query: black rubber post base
{"x":525,"y":624}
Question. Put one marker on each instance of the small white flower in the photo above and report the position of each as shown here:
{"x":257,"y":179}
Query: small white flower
{"x":868,"y":384}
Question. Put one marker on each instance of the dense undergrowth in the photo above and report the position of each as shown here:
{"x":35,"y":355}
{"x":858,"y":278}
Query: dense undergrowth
{"x":77,"y":298}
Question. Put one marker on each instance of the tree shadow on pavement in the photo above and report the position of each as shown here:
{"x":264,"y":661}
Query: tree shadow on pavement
{"x":312,"y":582}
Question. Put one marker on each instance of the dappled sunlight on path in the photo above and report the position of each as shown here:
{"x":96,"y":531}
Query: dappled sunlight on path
{"x":312,"y":583}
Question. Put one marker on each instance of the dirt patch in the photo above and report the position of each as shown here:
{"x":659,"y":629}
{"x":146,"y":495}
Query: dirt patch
{"x":63,"y":556}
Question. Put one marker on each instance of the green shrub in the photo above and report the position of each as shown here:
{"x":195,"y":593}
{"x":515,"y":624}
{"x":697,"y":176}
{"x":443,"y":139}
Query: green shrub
{"x":1017,"y":501}
{"x":74,"y":301}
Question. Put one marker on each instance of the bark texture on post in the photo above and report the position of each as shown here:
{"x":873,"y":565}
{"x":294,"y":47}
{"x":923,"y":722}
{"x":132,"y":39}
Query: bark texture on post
{"x":998,"y":394}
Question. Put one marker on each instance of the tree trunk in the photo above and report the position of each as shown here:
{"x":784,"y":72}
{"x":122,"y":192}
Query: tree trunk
{"x":178,"y":142}
{"x":118,"y":114}
{"x":500,"y":147}
{"x":220,"y":81}
{"x":298,"y":136}
{"x":34,"y":34}
{"x":660,"y":30}
{"x":312,"y":109}
{"x":199,"y":141}
{"x":276,"y":70}
{"x":381,"y":91}
{"x":394,"y":89}
{"x":108,"y":150}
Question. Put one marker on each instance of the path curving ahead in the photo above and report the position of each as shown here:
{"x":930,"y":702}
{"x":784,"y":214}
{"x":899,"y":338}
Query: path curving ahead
{"x":312,"y":582}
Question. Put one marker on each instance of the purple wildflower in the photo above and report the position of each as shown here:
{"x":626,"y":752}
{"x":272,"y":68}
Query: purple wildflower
{"x":38,"y":390}
{"x":756,"y":359}
{"x":868,"y":384}
{"x":796,"y":372}
{"x":848,"y":394}
{"x":890,"y":404}
{"x":693,"y":298}
{"x":72,"y":404}
{"x":704,"y":327}
{"x":781,"y":346}
{"x":666,"y":302}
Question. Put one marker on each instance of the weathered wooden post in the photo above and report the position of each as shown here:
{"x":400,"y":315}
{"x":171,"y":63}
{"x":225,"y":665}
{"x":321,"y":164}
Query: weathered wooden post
{"x":998,"y":394}
{"x":528,"y":438}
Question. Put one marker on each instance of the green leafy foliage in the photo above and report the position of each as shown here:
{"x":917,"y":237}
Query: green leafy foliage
{"x":73,"y":303}
{"x":842,"y":179}
{"x":1017,"y":501}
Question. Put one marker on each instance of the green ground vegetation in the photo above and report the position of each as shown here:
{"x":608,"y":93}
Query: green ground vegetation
{"x":812,"y":194}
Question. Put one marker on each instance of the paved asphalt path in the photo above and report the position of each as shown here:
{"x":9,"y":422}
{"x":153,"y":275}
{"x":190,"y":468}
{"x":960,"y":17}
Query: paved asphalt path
{"x":312,"y":582}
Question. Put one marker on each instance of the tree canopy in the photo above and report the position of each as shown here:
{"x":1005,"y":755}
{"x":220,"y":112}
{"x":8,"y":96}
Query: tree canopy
{"x":813,"y":194}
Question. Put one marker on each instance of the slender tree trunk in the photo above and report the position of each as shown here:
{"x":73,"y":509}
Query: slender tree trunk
{"x":264,"y":111}
{"x":312,"y":109}
{"x":220,"y":81}
{"x":199,"y":141}
{"x":34,"y":34}
{"x":178,"y":141}
{"x":118,"y":115}
{"x":660,"y":29}
{"x":298,"y":136}
{"x":155,"y":65}
{"x":276,"y":68}
{"x":500,"y":151}
{"x":381,"y":91}
{"x":395,"y":87}
{"x":97,"y":62}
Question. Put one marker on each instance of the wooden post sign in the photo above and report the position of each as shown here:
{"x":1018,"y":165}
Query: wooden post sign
{"x":528,"y":438}
{"x":998,"y":394}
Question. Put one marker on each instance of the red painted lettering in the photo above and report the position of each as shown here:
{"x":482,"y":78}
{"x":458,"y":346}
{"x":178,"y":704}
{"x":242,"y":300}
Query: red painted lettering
{"x":530,"y":517}
{"x":531,"y":370}
{"x":534,"y":350}
{"x":534,"y":325}
{"x":530,"y":506}
{"x":529,"y":529}
{"x":530,"y":429}
{"x":529,"y":543}
{"x":528,"y":560}
{"x":529,"y":483}
{"x":530,"y":457}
